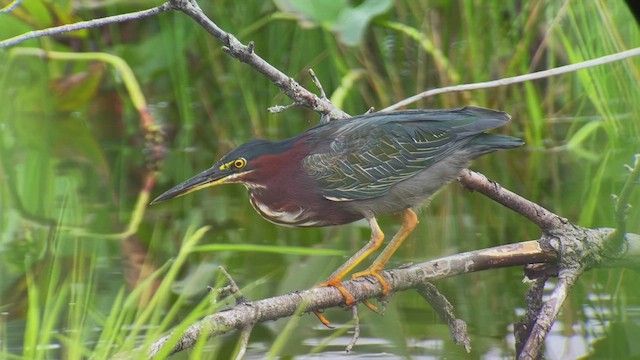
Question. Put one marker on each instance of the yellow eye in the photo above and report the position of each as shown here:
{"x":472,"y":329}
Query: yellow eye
{"x":240,"y":163}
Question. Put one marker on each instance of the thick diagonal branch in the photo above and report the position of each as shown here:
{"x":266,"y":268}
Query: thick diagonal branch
{"x":540,"y":216}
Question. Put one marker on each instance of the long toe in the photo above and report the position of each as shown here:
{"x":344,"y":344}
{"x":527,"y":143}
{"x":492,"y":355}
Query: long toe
{"x":323,"y":320}
{"x":348,"y":298}
{"x":376,"y":273}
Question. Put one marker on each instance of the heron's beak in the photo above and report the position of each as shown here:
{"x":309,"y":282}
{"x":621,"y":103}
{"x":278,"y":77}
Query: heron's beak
{"x":210,"y":177}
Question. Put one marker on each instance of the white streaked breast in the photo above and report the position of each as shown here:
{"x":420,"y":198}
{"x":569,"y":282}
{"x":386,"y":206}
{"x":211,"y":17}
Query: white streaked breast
{"x":299,"y":218}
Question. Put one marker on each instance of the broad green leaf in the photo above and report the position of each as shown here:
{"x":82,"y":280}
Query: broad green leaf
{"x":348,"y":23}
{"x":315,"y":12}
{"x":352,"y":22}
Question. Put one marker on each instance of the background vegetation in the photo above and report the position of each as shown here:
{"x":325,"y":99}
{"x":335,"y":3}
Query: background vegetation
{"x":75,"y":284}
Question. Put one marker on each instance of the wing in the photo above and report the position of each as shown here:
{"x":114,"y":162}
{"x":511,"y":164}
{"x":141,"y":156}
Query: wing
{"x":367,"y":156}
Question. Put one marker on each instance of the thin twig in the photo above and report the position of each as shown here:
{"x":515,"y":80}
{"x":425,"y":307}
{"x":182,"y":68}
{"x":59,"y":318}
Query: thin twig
{"x":518,"y":79}
{"x":622,"y":203}
{"x":533,"y":301}
{"x":457,"y":327}
{"x":324,"y":118}
{"x":318,"y":84}
{"x":356,"y":329}
{"x":86,"y":25}
{"x":10,"y":6}
{"x":247,"y":54}
{"x":280,"y":108}
{"x":233,"y":287}
{"x":244,"y":341}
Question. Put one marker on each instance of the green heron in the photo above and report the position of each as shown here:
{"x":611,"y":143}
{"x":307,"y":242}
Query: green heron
{"x":346,"y":170}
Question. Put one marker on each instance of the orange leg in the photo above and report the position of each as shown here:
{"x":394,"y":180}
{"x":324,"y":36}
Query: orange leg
{"x":374,"y":243}
{"x":409,"y":222}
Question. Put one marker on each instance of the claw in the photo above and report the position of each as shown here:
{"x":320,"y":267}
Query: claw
{"x":323,"y":320}
{"x":349,"y":300}
{"x":371,"y":307}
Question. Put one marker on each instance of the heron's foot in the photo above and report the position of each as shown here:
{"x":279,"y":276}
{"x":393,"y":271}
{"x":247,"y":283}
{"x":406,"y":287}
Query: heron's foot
{"x":349,"y":300}
{"x":336,"y":283}
{"x":376,"y":273}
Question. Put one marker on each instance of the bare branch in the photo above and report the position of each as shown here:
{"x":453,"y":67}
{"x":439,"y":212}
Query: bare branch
{"x":356,"y":329}
{"x":231,"y":45}
{"x":280,"y":108}
{"x":400,"y":279}
{"x":546,"y":317}
{"x":9,"y":7}
{"x":457,"y":327}
{"x":246,"y":54}
{"x":233,"y":288}
{"x":244,"y":341}
{"x":318,"y":84}
{"x":540,"y":216}
{"x":533,"y":301}
{"x":579,"y":249}
{"x":86,"y":25}
{"x":518,"y":79}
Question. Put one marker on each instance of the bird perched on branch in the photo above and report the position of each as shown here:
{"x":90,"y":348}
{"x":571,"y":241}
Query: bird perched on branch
{"x":346,"y":170}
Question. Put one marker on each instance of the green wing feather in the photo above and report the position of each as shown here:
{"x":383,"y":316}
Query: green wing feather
{"x":367,"y":156}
